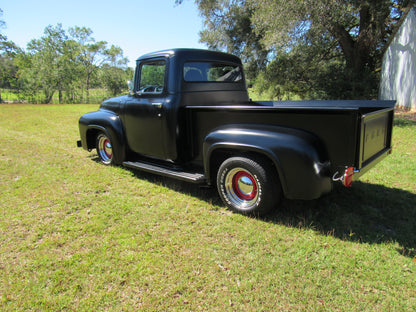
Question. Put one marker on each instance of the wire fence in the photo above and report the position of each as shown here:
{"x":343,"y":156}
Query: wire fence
{"x":13,"y":96}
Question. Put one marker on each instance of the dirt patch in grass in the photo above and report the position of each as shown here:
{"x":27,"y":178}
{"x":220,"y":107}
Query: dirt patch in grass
{"x":406,"y":114}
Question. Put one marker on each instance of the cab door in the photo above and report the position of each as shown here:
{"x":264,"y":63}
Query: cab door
{"x":144,"y":110}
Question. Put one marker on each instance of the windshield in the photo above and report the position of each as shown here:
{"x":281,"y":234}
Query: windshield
{"x":152,"y":77}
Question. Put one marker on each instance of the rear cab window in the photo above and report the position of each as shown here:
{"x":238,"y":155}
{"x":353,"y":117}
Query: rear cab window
{"x":212,"y":72}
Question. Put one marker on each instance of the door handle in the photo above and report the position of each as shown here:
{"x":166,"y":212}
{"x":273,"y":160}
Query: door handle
{"x":157,"y":105}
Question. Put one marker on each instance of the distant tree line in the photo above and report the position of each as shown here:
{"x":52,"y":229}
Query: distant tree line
{"x":65,"y":64}
{"x":327,"y":49}
{"x":311,"y":49}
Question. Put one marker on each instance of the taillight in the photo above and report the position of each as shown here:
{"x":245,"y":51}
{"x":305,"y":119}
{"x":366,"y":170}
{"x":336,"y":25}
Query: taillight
{"x":348,"y":176}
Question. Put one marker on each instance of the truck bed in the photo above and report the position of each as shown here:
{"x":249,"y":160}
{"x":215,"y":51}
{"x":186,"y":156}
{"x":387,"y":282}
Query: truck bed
{"x":354,"y":132}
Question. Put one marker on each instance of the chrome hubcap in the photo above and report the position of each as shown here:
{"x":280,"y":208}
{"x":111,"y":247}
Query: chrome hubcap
{"x":241,"y":187}
{"x":105,"y":150}
{"x":108,"y":150}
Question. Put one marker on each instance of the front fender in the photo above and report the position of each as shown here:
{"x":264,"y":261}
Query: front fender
{"x":91,"y":124}
{"x":300,"y":158}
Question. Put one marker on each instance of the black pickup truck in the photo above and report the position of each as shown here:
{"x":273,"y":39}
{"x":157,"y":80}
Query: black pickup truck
{"x":188,"y":116}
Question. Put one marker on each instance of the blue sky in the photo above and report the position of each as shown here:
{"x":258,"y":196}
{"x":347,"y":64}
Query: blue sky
{"x":137,"y":26}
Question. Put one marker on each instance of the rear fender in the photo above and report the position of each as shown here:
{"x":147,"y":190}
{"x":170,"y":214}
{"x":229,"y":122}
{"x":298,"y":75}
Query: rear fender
{"x":299,"y":157}
{"x":105,"y":121}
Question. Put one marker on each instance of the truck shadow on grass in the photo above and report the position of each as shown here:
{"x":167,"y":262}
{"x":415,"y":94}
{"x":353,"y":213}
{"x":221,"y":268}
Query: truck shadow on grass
{"x":364,"y":213}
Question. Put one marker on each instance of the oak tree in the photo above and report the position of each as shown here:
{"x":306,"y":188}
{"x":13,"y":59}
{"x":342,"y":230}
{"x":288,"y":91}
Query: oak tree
{"x":306,"y":39}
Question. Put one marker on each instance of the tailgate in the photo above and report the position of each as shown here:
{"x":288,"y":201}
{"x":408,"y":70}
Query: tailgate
{"x":376,"y":131}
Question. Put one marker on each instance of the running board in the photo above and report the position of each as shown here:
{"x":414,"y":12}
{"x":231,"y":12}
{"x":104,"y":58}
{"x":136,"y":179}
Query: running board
{"x":171,"y":173}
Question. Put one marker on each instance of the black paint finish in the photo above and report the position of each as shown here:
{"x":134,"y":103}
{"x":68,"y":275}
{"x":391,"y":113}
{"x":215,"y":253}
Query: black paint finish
{"x":191,"y":127}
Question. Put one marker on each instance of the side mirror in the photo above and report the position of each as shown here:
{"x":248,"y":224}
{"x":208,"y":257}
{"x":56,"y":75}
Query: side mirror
{"x":130,"y":85}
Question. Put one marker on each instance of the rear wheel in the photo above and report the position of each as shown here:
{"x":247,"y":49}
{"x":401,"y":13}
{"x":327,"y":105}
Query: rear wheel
{"x":248,"y":185}
{"x":104,"y":149}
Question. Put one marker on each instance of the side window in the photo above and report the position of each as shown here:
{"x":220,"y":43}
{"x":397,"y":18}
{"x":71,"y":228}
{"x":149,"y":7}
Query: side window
{"x":212,"y":72}
{"x":152,"y":77}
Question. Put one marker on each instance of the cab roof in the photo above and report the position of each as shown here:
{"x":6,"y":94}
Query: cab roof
{"x":192,"y":54}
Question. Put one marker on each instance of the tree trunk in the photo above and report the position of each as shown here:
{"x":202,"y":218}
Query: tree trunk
{"x":358,"y":50}
{"x":88,"y":87}
{"x":48,"y":96}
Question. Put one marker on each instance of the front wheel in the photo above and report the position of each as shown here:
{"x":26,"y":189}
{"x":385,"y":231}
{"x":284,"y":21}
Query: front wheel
{"x":248,"y":185}
{"x":104,"y":149}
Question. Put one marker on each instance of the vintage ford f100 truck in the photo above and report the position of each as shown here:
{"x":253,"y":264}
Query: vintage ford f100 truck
{"x":188,"y":116}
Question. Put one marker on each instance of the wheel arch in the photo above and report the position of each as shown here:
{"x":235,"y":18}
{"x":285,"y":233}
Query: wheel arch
{"x":299,"y":158}
{"x":91,"y":134}
{"x":92,"y":124}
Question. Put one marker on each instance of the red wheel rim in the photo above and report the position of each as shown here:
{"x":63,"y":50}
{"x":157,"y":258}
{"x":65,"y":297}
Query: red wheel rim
{"x":244,"y":185}
{"x":107,"y":148}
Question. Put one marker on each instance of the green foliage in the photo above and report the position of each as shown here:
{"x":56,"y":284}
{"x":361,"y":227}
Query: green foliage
{"x":114,"y":79}
{"x":89,"y":56}
{"x":48,"y":63}
{"x":228,"y":27}
{"x":8,"y":69}
{"x":316,"y":49}
{"x":67,"y":63}
{"x":79,"y":236}
{"x":152,"y":74}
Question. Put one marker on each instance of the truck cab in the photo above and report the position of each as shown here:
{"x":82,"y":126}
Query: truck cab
{"x":164,"y":84}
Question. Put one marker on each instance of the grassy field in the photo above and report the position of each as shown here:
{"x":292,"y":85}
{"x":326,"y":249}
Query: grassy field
{"x":79,"y":236}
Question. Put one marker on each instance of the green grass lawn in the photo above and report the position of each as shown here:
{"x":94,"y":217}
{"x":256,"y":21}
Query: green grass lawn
{"x":79,"y":236}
